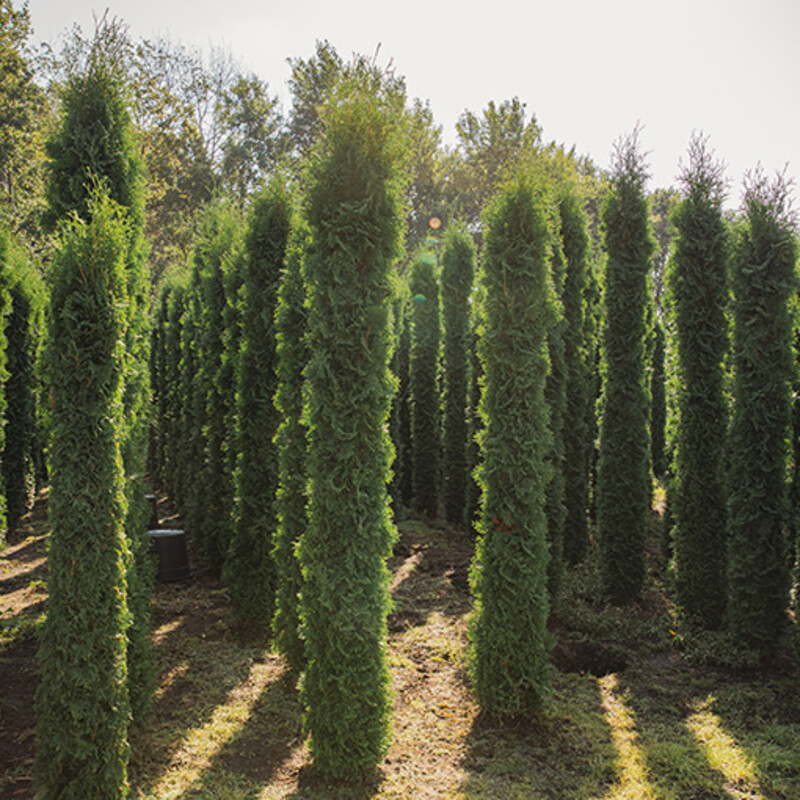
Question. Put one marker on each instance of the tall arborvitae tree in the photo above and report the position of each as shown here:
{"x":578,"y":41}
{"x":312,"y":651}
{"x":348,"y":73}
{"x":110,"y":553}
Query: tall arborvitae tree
{"x":509,"y":575}
{"x":623,"y":479}
{"x":474,"y":420}
{"x":697,"y":296}
{"x":158,"y":357}
{"x":576,"y":432}
{"x":424,"y":384}
{"x":250,"y":570}
{"x":458,"y":272}
{"x":764,"y":278}
{"x":555,"y":395}
{"x":658,"y":403}
{"x":591,"y":332}
{"x":12,"y":494}
{"x":290,"y":441}
{"x":24,"y":333}
{"x":404,"y":463}
{"x":211,"y":504}
{"x":82,"y":701}
{"x":397,"y":418}
{"x":96,"y":136}
{"x":354,"y":207}
{"x":174,"y":401}
{"x":192,"y":422}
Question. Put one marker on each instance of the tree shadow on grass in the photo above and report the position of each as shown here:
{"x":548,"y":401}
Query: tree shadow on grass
{"x":686,"y":745}
{"x":555,"y":754}
{"x":200,"y":659}
{"x":23,"y":579}
{"x":256,"y":751}
{"x":32,"y":551}
{"x":313,"y":786}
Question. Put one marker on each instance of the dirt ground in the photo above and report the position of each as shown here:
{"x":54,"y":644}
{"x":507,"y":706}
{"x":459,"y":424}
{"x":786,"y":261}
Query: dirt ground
{"x":632,"y":716}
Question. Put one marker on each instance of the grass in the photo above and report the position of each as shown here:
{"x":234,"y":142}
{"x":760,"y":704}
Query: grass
{"x":635,"y":714}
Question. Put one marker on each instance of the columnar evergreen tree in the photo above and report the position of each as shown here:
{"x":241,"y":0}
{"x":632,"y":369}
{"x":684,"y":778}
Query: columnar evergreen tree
{"x":172,"y":387}
{"x":509,"y":574}
{"x":458,"y":271}
{"x":290,"y":441}
{"x":354,"y":209}
{"x":658,"y":403}
{"x":250,"y":570}
{"x":211,"y":504}
{"x":23,"y":334}
{"x":8,"y":258}
{"x":193,"y":415}
{"x":96,"y":136}
{"x":158,"y":356}
{"x":82,"y":701}
{"x":764,"y":278}
{"x":623,"y":479}
{"x":555,"y":395}
{"x":697,"y":294}
{"x":424,"y":383}
{"x":577,"y":434}
{"x":474,"y":420}
{"x":592,"y":329}
{"x":397,"y":417}
{"x":404,"y":464}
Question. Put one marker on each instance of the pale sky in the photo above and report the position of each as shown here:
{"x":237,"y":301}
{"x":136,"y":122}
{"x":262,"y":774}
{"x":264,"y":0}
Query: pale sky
{"x":589,"y":70}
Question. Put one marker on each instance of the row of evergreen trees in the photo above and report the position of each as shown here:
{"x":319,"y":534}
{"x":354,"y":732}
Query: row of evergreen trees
{"x":271,"y":367}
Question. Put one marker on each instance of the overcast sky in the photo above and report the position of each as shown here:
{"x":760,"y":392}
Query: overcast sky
{"x":589,"y":70}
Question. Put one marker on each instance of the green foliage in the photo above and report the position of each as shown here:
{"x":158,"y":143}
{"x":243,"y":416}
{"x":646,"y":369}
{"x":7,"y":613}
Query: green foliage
{"x":509,"y":574}
{"x":764,"y":278}
{"x":290,"y":441}
{"x":474,"y":419}
{"x":210,"y":502}
{"x":95,"y":136}
{"x":424,"y":383}
{"x":658,"y":403}
{"x":82,"y":701}
{"x":192,"y":419}
{"x":354,"y":210}
{"x":24,"y":120}
{"x":555,"y":395}
{"x":9,"y":255}
{"x":24,"y":333}
{"x":174,"y":402}
{"x":398,"y":415}
{"x":158,"y":383}
{"x":458,"y":271}
{"x":404,"y":455}
{"x":697,"y":295}
{"x":249,"y":570}
{"x":576,"y":431}
{"x":488,"y":146}
{"x":623,"y":480}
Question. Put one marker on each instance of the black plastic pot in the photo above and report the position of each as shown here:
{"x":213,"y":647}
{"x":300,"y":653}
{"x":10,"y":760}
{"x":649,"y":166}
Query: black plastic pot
{"x":173,"y":558}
